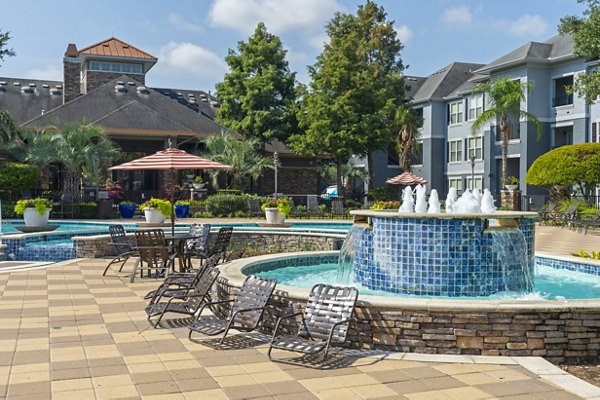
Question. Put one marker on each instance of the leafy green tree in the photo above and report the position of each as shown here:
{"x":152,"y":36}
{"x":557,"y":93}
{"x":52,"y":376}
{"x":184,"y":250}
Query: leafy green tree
{"x":504,"y":96}
{"x":586,"y":36}
{"x":356,"y":87}
{"x":8,"y":126}
{"x":242,"y":156}
{"x":573,"y":165}
{"x":258,"y":94}
{"x":4,"y":51}
{"x":407,"y":142}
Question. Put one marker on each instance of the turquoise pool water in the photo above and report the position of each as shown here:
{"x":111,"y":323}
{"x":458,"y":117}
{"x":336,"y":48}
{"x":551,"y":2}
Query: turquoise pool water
{"x":549,"y":283}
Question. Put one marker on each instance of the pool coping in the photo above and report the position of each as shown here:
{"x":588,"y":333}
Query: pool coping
{"x":233,"y":271}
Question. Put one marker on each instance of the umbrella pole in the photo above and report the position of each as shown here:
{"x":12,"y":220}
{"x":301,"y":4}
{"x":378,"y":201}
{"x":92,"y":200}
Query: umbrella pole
{"x":173,"y":180}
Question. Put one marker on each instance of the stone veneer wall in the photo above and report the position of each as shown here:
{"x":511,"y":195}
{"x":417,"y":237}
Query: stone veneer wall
{"x":511,"y":198}
{"x":94,"y":79}
{"x":291,"y":180}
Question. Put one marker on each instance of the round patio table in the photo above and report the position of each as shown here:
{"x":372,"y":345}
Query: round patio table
{"x":177,"y":241}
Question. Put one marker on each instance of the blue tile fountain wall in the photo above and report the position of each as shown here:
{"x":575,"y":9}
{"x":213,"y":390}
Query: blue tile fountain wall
{"x":438,"y":256}
{"x":34,"y":247}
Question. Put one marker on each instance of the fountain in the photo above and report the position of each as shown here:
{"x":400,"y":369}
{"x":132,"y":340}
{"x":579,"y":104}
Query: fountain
{"x":471,"y":250}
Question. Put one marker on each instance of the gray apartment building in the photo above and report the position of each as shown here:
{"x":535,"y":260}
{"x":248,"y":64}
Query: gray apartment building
{"x":449,"y":107}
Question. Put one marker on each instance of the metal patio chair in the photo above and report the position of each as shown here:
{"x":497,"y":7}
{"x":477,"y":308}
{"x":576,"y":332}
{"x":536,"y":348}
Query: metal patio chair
{"x":196,"y":246}
{"x":220,"y":245}
{"x":245,"y":313}
{"x":153,"y":253}
{"x":337,"y":208}
{"x":254,"y":208}
{"x":325,"y":322}
{"x":123,"y":247}
{"x":312,"y":205}
{"x":188,"y":302}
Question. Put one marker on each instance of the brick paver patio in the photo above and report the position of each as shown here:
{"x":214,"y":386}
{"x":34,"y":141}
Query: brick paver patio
{"x":68,"y":333}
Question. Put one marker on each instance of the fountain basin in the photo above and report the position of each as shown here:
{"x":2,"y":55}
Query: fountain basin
{"x":450,"y":255}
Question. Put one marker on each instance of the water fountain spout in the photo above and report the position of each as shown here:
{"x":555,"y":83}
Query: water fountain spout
{"x":487,"y":203}
{"x":421,"y":203}
{"x":408,"y":202}
{"x":434,"y":203}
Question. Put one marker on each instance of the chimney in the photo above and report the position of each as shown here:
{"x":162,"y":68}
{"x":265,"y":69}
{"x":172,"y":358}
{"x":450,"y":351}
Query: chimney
{"x":71,"y":74}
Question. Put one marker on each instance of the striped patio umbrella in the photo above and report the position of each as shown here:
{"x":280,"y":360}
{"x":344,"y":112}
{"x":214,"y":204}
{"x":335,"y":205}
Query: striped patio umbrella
{"x":170,"y":159}
{"x":406,"y":179}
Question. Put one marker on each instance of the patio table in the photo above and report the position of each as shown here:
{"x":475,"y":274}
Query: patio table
{"x":177,"y":241}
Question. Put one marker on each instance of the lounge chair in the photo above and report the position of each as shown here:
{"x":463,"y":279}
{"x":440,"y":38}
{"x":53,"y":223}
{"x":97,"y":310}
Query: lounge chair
{"x":220,"y":245}
{"x":188,"y":303}
{"x":325,"y":322}
{"x":254,"y":208}
{"x":337,"y":208}
{"x":123,"y":247}
{"x":547,"y":213}
{"x":154,"y":254}
{"x":245,"y":313}
{"x":196,"y":246}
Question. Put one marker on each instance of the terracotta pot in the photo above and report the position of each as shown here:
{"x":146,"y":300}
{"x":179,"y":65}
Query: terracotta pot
{"x":32,"y":218}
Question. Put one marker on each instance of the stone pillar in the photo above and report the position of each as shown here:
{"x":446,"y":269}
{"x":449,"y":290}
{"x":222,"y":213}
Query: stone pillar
{"x":511,"y":198}
{"x":71,"y":74}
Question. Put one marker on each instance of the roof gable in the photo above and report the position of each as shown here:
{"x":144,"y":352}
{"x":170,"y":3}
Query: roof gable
{"x":114,"y":47}
{"x":441,"y":83}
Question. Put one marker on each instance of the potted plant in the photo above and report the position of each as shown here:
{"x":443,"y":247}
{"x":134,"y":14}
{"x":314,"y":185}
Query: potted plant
{"x":276,"y":210}
{"x":156,"y":210}
{"x":511,"y":183}
{"x":36,"y":212}
{"x":127,"y":209}
{"x":182,"y":208}
{"x":198,"y":183}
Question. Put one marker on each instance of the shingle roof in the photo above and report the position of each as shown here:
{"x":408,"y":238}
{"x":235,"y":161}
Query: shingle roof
{"x":114,"y":47}
{"x":441,"y":83}
{"x":413,"y":84}
{"x":26,"y":99}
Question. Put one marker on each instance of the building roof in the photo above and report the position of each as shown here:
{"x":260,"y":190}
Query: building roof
{"x":114,"y":47}
{"x":443,"y":82}
{"x":413,"y":84}
{"x":26,"y":99}
{"x":125,"y":105}
{"x":557,"y":47}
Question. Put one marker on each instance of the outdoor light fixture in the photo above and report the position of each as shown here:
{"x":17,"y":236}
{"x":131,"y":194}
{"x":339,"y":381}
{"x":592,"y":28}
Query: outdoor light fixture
{"x":275,"y":162}
{"x":472,"y":159}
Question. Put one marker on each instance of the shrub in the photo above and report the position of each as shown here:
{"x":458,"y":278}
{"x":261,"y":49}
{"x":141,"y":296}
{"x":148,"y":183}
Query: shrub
{"x":385,"y":205}
{"x":224,"y":205}
{"x":163,"y":205}
{"x":382,"y":193}
{"x":283,"y":204}
{"x":86,"y":210}
{"x":40,"y":204}
{"x":17,"y":176}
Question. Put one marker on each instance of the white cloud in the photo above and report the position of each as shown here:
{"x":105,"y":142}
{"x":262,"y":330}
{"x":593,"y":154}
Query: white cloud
{"x":528,"y":25}
{"x":404,"y":33}
{"x":49,"y":72}
{"x":190,"y":58}
{"x":318,"y":41}
{"x":183,"y":24}
{"x":278,"y":15}
{"x":457,"y":16}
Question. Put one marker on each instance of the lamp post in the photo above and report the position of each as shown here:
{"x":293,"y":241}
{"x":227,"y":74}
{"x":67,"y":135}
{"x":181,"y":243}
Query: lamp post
{"x":472,"y":159}
{"x":275,"y":162}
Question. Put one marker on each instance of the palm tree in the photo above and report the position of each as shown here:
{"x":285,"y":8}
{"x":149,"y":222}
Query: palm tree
{"x":8,"y":126}
{"x":504,"y":96}
{"x":242,"y":156}
{"x":407,"y":142}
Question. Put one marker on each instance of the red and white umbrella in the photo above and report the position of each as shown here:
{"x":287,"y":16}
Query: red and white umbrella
{"x":406,"y":179}
{"x":169,"y":160}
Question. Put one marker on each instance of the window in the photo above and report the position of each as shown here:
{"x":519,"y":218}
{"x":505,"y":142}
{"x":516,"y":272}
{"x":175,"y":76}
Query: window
{"x":561,"y":97}
{"x":456,"y":112}
{"x":475,"y":147}
{"x":475,"y":104}
{"x":596,"y":132}
{"x":478,"y":183}
{"x":115,"y":67}
{"x":456,"y":183}
{"x":455,"y":151}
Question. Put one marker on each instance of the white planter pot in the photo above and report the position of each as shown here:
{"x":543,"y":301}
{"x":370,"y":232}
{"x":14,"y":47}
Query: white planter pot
{"x":198,"y":186}
{"x":32,"y":218}
{"x":154,"y":216}
{"x":511,"y":188}
{"x":274,"y":216}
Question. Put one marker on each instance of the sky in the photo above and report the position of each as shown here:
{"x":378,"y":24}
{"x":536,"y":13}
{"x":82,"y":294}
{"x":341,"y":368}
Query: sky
{"x":192,"y":37}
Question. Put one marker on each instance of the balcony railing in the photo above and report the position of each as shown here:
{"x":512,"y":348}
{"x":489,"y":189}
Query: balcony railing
{"x":515,"y":132}
{"x":562,"y":100}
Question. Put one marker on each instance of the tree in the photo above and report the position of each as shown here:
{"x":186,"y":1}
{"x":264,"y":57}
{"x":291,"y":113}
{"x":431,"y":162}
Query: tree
{"x":4,"y":51}
{"x":573,"y":165}
{"x":242,"y":156}
{"x":258,"y":94}
{"x":504,"y":96}
{"x":356,"y":87}
{"x":8,"y":126}
{"x":407,"y":142}
{"x":586,"y":37}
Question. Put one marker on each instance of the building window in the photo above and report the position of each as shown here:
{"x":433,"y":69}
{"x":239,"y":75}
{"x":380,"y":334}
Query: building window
{"x":114,"y":67}
{"x":478,"y":183}
{"x":475,"y":104}
{"x":561,"y":97}
{"x":596,"y":132}
{"x":456,"y":183}
{"x":456,"y":112}
{"x":475,"y":147}
{"x":455,"y":151}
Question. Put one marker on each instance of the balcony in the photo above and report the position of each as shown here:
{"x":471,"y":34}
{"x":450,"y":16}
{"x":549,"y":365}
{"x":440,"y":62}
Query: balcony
{"x":562,"y":100}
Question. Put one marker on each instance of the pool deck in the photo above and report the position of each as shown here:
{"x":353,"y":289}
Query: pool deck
{"x":67,"y":332}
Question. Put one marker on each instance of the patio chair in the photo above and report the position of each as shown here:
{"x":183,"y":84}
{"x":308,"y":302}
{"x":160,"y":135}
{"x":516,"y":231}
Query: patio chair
{"x":194,"y":247}
{"x":547,"y":212}
{"x":219,"y":247}
{"x":181,"y":281}
{"x":565,"y":218}
{"x":325,"y":322}
{"x":153,"y":252}
{"x":245,"y":313}
{"x":189,"y":302}
{"x":584,"y":224}
{"x":312,"y":205}
{"x":337,"y":208}
{"x":254,"y":208}
{"x":123,"y":247}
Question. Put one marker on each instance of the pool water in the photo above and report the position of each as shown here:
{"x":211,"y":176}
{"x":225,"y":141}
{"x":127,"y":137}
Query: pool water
{"x":549,"y":283}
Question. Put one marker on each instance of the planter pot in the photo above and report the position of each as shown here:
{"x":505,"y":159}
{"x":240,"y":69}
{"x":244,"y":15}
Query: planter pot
{"x":127,"y":210}
{"x":32,"y":218}
{"x":274,"y":216}
{"x":182,"y":210}
{"x":511,"y":188}
{"x":198,"y":186}
{"x":154,"y":216}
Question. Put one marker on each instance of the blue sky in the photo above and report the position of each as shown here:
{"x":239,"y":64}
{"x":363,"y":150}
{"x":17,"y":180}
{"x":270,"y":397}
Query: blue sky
{"x":191,"y":38}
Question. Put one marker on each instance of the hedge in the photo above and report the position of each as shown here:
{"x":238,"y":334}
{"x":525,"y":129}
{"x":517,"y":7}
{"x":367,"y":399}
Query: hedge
{"x":225,"y":205}
{"x":18,"y":177}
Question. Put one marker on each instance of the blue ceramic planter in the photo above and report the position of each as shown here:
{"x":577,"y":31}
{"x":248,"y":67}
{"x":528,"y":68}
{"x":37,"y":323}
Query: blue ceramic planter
{"x":182,"y":211}
{"x":127,"y":210}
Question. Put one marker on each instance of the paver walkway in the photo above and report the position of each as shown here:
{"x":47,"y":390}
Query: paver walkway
{"x":68,"y":333}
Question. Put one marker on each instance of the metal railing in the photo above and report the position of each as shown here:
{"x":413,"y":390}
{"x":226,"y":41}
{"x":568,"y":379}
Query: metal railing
{"x":562,"y":100}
